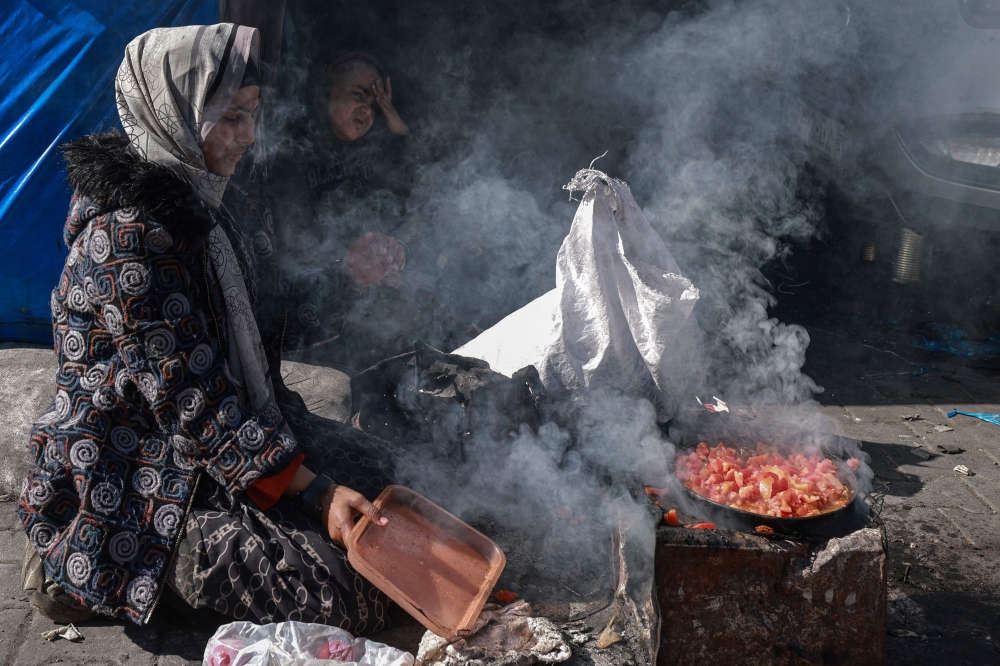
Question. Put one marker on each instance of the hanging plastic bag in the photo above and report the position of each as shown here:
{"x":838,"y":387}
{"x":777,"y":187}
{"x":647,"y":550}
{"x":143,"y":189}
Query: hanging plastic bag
{"x":296,"y":644}
{"x":620,"y":315}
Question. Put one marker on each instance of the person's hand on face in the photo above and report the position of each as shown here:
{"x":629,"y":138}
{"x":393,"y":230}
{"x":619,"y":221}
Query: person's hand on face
{"x":357,"y":90}
{"x":340,"y":506}
{"x":375,"y":259}
{"x":233,"y":134}
{"x":383,"y":97}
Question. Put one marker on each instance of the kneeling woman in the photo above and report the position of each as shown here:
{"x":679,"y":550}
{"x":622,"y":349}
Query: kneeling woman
{"x":165,"y":458}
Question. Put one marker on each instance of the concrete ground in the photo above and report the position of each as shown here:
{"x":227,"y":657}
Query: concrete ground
{"x":943,"y":527}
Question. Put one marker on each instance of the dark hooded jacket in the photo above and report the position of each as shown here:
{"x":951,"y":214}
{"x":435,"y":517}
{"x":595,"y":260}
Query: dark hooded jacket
{"x":145,"y":403}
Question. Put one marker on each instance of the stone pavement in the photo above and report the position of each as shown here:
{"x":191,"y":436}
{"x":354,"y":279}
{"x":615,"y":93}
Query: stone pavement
{"x":943,"y":527}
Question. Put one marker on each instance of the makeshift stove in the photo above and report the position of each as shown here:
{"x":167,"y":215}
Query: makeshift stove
{"x":758,"y":595}
{"x":733,"y":598}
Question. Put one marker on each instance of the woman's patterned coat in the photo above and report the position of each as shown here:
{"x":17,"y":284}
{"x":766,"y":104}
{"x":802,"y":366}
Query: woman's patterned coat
{"x":144,"y":398}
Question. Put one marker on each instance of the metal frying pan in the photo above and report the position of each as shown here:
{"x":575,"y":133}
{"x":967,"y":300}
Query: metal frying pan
{"x":844,"y":520}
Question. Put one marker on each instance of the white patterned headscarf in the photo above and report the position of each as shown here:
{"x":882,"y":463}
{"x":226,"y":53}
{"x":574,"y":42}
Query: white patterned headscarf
{"x":172,"y":88}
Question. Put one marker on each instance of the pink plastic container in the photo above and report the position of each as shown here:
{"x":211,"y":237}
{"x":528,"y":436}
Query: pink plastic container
{"x":440,"y":570}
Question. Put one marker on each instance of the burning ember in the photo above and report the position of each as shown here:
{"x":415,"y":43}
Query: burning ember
{"x":765,"y":482}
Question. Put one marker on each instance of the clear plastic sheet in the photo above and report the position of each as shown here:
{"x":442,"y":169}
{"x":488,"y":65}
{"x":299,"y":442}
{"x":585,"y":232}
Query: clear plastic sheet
{"x":296,"y":644}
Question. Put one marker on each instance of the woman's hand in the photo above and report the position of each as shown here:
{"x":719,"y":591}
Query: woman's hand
{"x":383,"y":97}
{"x":340,"y":506}
{"x":375,"y":259}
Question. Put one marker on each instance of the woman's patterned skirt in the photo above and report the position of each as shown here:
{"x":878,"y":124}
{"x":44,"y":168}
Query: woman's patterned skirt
{"x":277,"y":565}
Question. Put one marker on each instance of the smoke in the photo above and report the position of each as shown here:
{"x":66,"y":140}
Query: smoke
{"x":551,"y":496}
{"x":512,"y":99}
{"x":690,"y":102}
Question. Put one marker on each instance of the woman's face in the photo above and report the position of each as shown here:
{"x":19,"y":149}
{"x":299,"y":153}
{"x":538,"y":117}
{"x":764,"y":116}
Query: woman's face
{"x":228,"y":140}
{"x":350,"y":106}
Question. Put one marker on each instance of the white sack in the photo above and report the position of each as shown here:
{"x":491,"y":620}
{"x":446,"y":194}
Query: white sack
{"x":620,"y":315}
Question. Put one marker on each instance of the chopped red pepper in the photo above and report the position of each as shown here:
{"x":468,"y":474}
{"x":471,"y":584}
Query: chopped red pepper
{"x":657,"y":492}
{"x":703,"y":526}
{"x":670,"y":517}
{"x":505,"y":596}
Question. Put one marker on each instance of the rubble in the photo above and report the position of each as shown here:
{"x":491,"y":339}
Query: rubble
{"x":501,"y":635}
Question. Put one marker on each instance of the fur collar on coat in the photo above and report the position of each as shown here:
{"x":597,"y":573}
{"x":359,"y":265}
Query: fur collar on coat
{"x":105,"y":169}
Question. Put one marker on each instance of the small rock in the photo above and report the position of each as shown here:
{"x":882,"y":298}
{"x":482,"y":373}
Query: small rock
{"x":610,"y":635}
{"x":920,"y":453}
{"x":69,"y":632}
{"x":943,"y":428}
{"x":903,"y":633}
{"x":911,"y":417}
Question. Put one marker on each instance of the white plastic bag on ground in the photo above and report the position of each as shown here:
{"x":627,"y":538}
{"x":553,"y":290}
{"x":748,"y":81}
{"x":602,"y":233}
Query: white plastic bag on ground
{"x":620,"y":315}
{"x":296,"y":644}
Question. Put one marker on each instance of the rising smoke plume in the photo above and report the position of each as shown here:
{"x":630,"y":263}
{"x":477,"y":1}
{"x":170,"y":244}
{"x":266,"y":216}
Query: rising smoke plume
{"x":688,"y":100}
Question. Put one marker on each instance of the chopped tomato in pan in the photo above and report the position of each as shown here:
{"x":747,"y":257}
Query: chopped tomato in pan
{"x":670,"y":518}
{"x":767,"y":483}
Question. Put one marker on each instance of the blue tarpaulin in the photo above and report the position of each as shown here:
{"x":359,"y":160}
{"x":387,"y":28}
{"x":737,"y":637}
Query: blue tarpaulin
{"x":58,"y":60}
